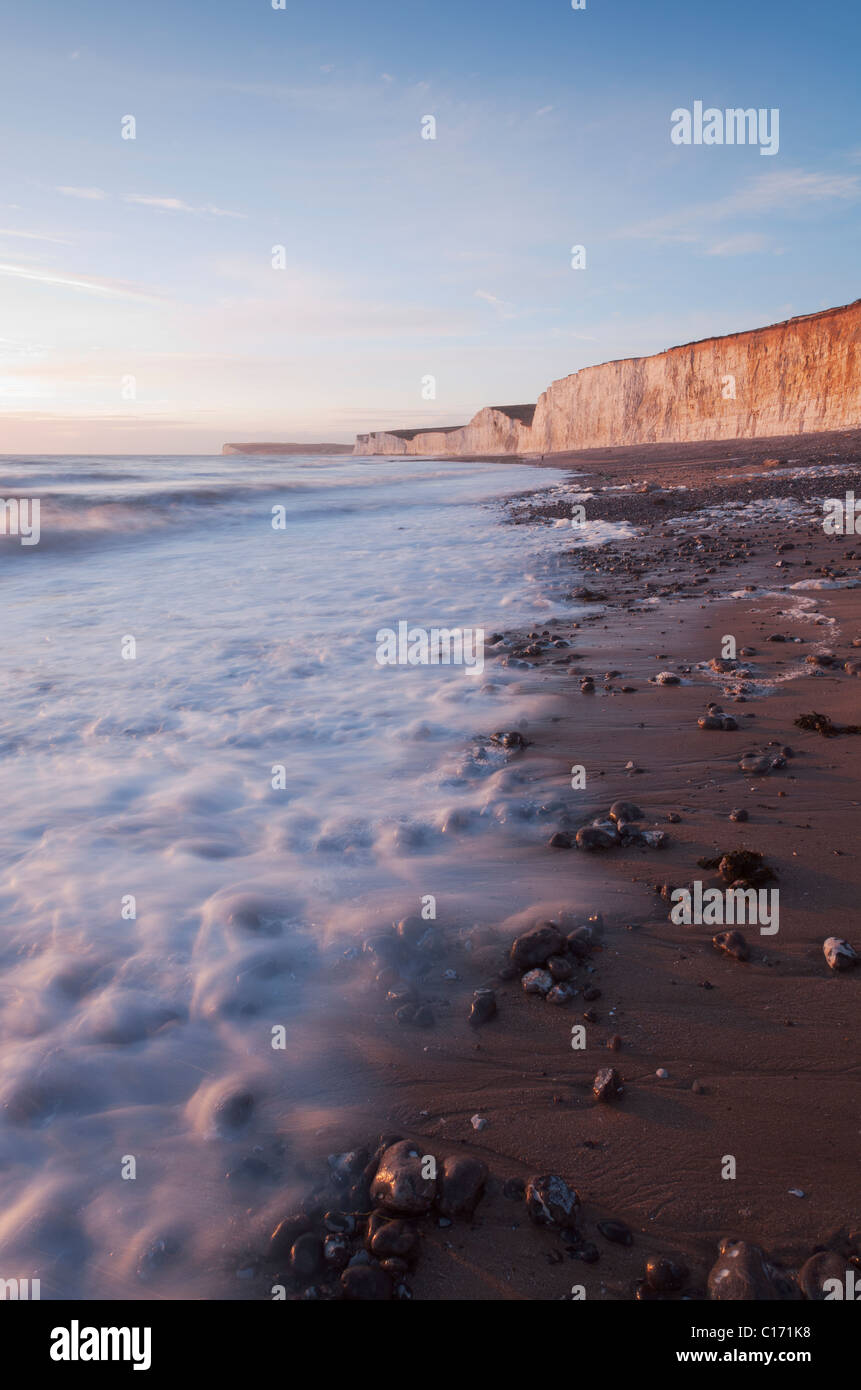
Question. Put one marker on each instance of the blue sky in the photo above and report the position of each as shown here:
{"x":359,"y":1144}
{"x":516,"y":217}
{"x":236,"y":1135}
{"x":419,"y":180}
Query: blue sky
{"x":141,"y":312}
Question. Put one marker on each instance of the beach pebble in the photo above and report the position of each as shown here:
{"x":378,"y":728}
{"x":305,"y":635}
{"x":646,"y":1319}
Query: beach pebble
{"x":461,"y":1184}
{"x":591,"y":837}
{"x":306,"y":1256}
{"x":760,"y":764}
{"x":341,"y":1223}
{"x":559,"y":840}
{"x":616,"y":1232}
{"x":746,"y":865}
{"x":655,"y":839}
{"x":536,"y":946}
{"x":511,"y":739}
{"x":537,"y":982}
{"x":399,"y":1186}
{"x":587,"y":685}
{"x":581,"y":941}
{"x":607,"y":1084}
{"x":336,"y":1251}
{"x":839,"y":954}
{"x":625,"y":811}
{"x":742,"y":1272}
{"x":825,"y":1264}
{"x":717,"y":721}
{"x":389,"y":1239}
{"x":551,"y":1202}
{"x":411,"y":930}
{"x":560,"y":967}
{"x":662,"y":1073}
{"x":561,"y":994}
{"x":483,"y":1007}
{"x":666,"y":678}
{"x":732,"y":943}
{"x":665,"y":1276}
{"x":286,"y":1233}
{"x":478,"y":1122}
{"x":738,"y":813}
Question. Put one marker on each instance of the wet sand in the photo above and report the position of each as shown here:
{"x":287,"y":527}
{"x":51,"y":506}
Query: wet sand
{"x":762,"y":1058}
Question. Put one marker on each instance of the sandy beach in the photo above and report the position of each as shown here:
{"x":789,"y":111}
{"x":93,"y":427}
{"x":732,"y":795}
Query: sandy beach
{"x":717,"y":1057}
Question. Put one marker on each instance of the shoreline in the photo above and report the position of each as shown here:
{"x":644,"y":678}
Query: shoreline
{"x":759,"y":1056}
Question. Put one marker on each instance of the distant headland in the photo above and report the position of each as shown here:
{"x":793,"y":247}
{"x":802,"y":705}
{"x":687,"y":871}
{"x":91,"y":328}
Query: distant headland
{"x":286,"y":448}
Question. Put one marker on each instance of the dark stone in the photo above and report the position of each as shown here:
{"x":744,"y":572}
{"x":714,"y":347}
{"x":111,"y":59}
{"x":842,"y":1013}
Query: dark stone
{"x":826,"y":1264}
{"x":483,"y":1007}
{"x":664,"y":1276}
{"x":461,"y":1184}
{"x":839,"y":954}
{"x":306,"y":1256}
{"x":742,"y":1272}
{"x":581,"y":942}
{"x":585,"y":1251}
{"x":561,"y":995}
{"x":340,"y":1222}
{"x":616,"y":1232}
{"x":234,"y":1111}
{"x":538,"y":982}
{"x":336,"y":1251}
{"x":411,"y":930}
{"x":559,"y":840}
{"x":747,"y":864}
{"x":535,"y":946}
{"x":625,"y":811}
{"x":286,"y":1233}
{"x":732,"y":943}
{"x":551,"y":1202}
{"x":738,"y":814}
{"x":593,"y":839}
{"x":560,"y":968}
{"x":388,"y":1239}
{"x":399,"y":1186}
{"x":607,"y":1084}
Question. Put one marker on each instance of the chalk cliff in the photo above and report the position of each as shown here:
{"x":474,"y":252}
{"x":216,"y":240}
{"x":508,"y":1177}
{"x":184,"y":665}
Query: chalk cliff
{"x":795,"y":377}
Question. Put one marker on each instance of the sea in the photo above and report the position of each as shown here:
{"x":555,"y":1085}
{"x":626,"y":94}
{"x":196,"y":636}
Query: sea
{"x":214,"y":792}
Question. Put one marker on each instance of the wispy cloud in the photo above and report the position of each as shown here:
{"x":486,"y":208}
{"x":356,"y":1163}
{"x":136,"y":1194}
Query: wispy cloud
{"x":503,"y":308}
{"x":177,"y":205}
{"x":93,"y":284}
{"x":96,"y":194}
{"x":33,"y":236}
{"x":745,"y":244}
{"x":788,"y":191}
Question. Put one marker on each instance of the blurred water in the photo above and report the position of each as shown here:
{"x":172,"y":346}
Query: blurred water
{"x":153,"y":777}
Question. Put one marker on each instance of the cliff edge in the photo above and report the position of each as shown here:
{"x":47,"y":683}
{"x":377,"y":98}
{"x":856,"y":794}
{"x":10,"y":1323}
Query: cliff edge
{"x":797,"y":377}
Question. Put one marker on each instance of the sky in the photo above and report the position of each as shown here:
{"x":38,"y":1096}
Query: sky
{"x":140,"y":309}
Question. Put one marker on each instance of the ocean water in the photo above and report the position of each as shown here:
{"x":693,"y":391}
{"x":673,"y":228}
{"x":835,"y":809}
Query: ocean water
{"x":168,"y":896}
